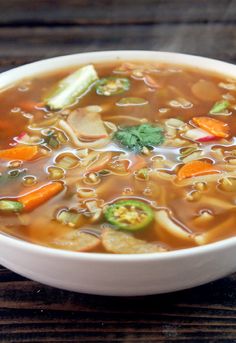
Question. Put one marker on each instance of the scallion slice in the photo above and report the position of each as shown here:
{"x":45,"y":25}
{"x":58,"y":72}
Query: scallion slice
{"x":72,"y":87}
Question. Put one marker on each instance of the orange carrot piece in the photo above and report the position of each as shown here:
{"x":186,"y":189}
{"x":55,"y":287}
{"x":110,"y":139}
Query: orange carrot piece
{"x":214,"y":126}
{"x":195,"y":168}
{"x":24,"y":153}
{"x":137,"y":162}
{"x":40,"y":195}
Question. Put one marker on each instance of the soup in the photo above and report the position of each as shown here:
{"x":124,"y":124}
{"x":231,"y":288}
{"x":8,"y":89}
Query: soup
{"x":119,"y":158}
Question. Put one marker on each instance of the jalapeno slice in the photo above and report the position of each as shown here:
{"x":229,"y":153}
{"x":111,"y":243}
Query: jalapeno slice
{"x":112,"y":85}
{"x":130,"y":215}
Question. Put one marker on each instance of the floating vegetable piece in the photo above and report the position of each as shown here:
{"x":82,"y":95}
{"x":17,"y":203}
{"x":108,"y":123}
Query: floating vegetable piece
{"x":67,"y":161}
{"x":118,"y":242}
{"x":215,"y":127}
{"x":10,"y":206}
{"x":77,"y":241}
{"x":69,"y":217}
{"x":206,"y":90}
{"x":56,"y":173}
{"x":72,"y":87}
{"x":87,"y":125}
{"x":100,"y":162}
{"x":40,"y":195}
{"x":170,"y":226}
{"x":137,"y":137}
{"x":196,"y":168}
{"x":132,"y":101}
{"x":112,"y":86}
{"x":219,"y":107}
{"x":200,"y":135}
{"x":151,"y":82}
{"x":130,"y":215}
{"x":24,"y":153}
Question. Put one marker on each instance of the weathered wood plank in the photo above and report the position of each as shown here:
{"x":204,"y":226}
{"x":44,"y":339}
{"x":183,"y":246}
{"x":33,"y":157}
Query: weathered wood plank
{"x":22,"y":45}
{"x":82,"y":12}
{"x":31,"y":312}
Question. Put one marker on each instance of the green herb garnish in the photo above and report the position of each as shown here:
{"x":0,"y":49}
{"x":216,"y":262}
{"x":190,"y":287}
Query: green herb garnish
{"x":137,"y":137}
{"x":219,"y":107}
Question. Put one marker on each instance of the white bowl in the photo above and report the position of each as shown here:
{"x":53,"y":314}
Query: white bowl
{"x":108,"y":274}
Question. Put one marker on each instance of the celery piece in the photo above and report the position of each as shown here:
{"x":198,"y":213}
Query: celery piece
{"x":10,"y":206}
{"x":71,"y":87}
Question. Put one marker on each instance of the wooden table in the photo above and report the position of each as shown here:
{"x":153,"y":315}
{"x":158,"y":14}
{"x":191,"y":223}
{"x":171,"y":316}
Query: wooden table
{"x":31,"y":30}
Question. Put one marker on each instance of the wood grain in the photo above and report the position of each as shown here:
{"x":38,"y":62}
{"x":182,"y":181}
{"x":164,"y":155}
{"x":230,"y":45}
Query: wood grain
{"x":111,"y":12}
{"x":19,"y":45}
{"x":31,"y":30}
{"x":31,"y":312}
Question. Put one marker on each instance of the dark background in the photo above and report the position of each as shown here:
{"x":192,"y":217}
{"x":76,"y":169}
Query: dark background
{"x":31,"y":30}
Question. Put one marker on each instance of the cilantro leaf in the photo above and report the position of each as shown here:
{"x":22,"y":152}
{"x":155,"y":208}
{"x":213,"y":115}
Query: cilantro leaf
{"x":140,"y":136}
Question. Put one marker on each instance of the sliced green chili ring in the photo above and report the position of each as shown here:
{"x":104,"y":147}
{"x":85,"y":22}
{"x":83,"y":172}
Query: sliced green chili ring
{"x":112,"y":86}
{"x":130,"y":215}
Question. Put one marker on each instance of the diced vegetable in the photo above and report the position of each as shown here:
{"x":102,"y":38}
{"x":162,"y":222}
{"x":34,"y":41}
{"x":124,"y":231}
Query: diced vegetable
{"x":137,"y":162}
{"x":10,"y":206}
{"x":137,"y":137}
{"x":87,"y":125}
{"x":77,"y":241}
{"x":131,"y":215}
{"x":132,"y":101}
{"x":219,"y":107}
{"x":112,"y":86}
{"x":215,"y":127}
{"x":72,"y":87}
{"x":142,"y":174}
{"x":56,"y":173}
{"x":100,"y":163}
{"x":24,"y":153}
{"x":118,"y":242}
{"x":200,"y":135}
{"x":195,"y":168}
{"x":69,"y":217}
{"x":40,"y":195}
{"x":67,"y":161}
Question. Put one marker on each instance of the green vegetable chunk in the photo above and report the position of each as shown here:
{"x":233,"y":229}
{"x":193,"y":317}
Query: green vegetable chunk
{"x":72,"y":87}
{"x":219,"y":107}
{"x":10,"y":206}
{"x":69,"y":218}
{"x":137,"y":137}
{"x":130,"y":215}
{"x":112,"y":86}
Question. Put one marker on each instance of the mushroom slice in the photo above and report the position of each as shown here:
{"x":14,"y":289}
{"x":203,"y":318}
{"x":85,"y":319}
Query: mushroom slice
{"x":118,"y":242}
{"x":87,"y":125}
{"x":171,"y":227}
{"x":76,"y":240}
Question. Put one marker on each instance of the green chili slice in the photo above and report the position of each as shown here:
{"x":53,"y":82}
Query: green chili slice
{"x":130,"y":215}
{"x":112,"y":86}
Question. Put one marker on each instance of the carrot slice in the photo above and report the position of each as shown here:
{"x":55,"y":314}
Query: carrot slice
{"x":216,"y":127}
{"x":138,"y":162}
{"x":39,"y":196}
{"x":195,"y":168}
{"x":24,"y":153}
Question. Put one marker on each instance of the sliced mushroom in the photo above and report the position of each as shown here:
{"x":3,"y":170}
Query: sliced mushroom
{"x":87,"y":125}
{"x":118,"y":242}
{"x":77,"y":240}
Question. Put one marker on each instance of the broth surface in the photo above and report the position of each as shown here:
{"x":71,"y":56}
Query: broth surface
{"x":192,"y":203}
